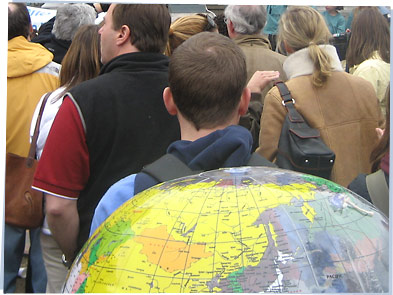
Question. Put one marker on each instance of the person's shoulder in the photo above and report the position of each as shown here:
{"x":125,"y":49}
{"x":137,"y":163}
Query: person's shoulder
{"x":375,"y":63}
{"x":123,"y":185}
{"x":340,"y":16}
{"x":273,"y":94}
{"x":118,"y":193}
{"x":42,"y":38}
{"x":93,"y":85}
{"x":266,"y":52}
{"x":351,"y":81}
{"x":143,"y":181}
{"x":52,"y":68}
{"x":358,"y":86}
{"x":278,"y":56}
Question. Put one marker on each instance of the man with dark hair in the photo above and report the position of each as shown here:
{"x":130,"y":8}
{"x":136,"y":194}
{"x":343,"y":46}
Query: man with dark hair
{"x":30,"y":74}
{"x":151,"y":38}
{"x":18,"y":21}
{"x":110,"y":126}
{"x":208,"y":104}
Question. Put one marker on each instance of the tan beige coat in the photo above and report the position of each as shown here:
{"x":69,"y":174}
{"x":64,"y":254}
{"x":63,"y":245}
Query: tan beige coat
{"x":345,"y":111}
{"x":259,"y":57}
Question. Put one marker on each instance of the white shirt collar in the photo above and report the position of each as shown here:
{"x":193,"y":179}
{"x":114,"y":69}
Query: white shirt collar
{"x":299,"y":63}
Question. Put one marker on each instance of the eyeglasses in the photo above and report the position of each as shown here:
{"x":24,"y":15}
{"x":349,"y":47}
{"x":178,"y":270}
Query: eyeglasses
{"x":211,"y":24}
{"x":225,"y":20}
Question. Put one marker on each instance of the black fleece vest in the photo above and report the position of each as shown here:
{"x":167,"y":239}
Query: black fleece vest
{"x":126,"y":124}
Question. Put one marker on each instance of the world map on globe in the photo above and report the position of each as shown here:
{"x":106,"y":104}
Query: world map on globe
{"x":248,"y":229}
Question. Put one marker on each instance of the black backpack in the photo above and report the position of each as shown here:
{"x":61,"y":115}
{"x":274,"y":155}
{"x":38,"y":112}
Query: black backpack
{"x":300,"y":147}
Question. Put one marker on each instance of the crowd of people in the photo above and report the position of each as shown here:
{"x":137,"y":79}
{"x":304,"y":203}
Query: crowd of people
{"x":136,"y":87}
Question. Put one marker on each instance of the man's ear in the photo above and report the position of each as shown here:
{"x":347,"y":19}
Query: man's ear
{"x":30,"y":31}
{"x":123,"y":35}
{"x":230,"y":28}
{"x":244,"y":101}
{"x":168,"y":101}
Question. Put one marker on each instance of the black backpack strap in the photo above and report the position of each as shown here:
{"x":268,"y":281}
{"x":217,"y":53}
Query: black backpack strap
{"x":297,"y":123}
{"x":257,"y":160}
{"x":288,"y":102}
{"x":168,"y":167}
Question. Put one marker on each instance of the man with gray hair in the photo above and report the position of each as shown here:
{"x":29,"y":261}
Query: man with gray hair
{"x":245,"y":24}
{"x":69,"y":18}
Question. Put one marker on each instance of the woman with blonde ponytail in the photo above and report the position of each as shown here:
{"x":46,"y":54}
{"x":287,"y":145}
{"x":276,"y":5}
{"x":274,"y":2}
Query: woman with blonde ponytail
{"x":342,"y":107}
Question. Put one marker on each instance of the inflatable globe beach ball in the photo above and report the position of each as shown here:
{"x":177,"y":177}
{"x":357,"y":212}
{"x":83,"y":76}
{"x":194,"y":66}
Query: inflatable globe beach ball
{"x":249,"y":229}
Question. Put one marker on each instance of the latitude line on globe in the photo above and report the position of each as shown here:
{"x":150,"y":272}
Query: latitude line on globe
{"x":163,"y":248}
{"x":215,"y":237}
{"x":189,"y":244}
{"x":166,"y":240}
{"x":240,"y":226}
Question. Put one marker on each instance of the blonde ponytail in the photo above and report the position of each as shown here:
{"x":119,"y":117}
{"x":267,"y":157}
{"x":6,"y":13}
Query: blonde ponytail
{"x":322,"y":67}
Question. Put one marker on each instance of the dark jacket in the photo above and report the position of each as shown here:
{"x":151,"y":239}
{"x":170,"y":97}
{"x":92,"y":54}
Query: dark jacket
{"x":230,"y":147}
{"x":126,"y":124}
{"x":57,"y":46}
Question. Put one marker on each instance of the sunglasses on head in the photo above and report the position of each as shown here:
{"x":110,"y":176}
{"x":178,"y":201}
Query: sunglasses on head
{"x":211,"y":24}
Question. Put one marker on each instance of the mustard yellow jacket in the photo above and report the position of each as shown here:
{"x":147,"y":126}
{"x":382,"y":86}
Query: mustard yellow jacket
{"x":30,"y":74}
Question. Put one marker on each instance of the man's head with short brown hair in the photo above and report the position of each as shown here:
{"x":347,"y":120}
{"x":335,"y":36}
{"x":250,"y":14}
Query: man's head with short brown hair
{"x":19,"y":22}
{"x":207,"y":78}
{"x":148,"y":23}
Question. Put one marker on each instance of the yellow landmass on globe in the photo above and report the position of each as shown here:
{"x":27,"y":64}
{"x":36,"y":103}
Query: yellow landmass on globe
{"x":171,"y":255}
{"x":273,"y":233}
{"x":308,"y":211}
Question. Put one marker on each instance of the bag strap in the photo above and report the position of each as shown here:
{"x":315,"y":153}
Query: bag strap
{"x":378,"y":190}
{"x":170,"y":167}
{"x":33,"y":144}
{"x":288,"y":102}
